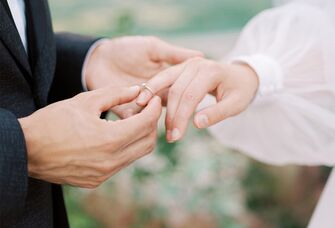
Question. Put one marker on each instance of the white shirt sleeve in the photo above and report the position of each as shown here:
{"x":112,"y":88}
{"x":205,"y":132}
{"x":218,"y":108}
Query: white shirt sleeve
{"x":88,"y":55}
{"x":292,"y":119}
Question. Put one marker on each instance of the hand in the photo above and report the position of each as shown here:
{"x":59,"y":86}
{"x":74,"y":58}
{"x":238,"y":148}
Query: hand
{"x":131,"y":61}
{"x":233,"y":85}
{"x":68,"y":143}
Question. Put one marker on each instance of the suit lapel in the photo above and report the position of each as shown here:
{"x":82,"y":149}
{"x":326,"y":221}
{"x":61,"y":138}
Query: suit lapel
{"x":44,"y":49}
{"x":38,"y":23}
{"x":42,"y":70}
{"x":11,"y":38}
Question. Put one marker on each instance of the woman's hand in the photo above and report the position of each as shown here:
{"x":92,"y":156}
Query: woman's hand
{"x":128,"y":61}
{"x":233,"y":85}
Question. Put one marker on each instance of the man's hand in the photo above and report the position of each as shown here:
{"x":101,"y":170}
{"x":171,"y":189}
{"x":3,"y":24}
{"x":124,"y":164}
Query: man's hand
{"x":131,"y":61}
{"x":233,"y":85}
{"x":68,"y":143}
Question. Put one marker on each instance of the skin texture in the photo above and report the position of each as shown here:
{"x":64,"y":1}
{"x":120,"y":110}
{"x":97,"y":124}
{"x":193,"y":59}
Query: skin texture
{"x":233,"y":85}
{"x":68,"y":143}
{"x":131,"y":61}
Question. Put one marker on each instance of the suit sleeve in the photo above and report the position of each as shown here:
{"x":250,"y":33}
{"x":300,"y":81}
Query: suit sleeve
{"x":13,"y":167}
{"x":71,"y":54}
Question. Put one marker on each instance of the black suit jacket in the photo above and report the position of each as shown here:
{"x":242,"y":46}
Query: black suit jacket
{"x":25,"y":86}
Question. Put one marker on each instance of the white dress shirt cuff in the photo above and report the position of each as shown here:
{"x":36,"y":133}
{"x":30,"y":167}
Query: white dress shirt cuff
{"x":268,"y":70}
{"x":89,"y":53}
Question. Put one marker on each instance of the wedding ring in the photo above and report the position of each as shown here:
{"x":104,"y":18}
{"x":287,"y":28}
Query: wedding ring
{"x":145,"y":86}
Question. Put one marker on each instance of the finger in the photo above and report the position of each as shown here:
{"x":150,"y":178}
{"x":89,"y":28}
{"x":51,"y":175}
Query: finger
{"x":227,"y":107}
{"x":188,"y":102}
{"x":173,"y":54}
{"x":163,"y":94}
{"x":139,"y":125}
{"x":104,"y":99}
{"x":141,"y":147}
{"x":161,"y":81}
{"x":127,"y":110}
{"x":131,"y":153}
{"x":175,"y":94}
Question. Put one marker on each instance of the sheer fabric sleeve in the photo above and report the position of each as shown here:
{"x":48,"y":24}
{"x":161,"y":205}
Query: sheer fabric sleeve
{"x":292,"y":119}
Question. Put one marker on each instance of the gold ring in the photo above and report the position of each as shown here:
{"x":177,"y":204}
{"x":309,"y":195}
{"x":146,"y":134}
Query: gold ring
{"x":145,"y":86}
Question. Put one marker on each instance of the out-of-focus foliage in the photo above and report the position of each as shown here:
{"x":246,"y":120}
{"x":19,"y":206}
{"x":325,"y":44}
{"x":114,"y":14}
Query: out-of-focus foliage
{"x":181,"y":185}
{"x":283,"y":197}
{"x":164,"y":17}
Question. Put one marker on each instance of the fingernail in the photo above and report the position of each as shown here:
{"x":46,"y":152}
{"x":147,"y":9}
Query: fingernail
{"x":202,"y":121}
{"x":175,"y":135}
{"x":134,"y":88}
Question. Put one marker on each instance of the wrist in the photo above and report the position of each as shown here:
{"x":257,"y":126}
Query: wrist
{"x":30,"y":141}
{"x":90,"y":64}
{"x":241,"y":78}
{"x":251,"y":77}
{"x":267,"y":69}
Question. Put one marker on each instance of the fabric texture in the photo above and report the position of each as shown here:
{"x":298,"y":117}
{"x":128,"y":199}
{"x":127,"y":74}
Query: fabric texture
{"x":292,"y":120}
{"x":71,"y":51}
{"x":25,"y":87}
{"x":17,"y":10}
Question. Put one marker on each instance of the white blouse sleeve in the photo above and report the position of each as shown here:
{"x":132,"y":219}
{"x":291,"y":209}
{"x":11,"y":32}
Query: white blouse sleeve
{"x":292,"y":119}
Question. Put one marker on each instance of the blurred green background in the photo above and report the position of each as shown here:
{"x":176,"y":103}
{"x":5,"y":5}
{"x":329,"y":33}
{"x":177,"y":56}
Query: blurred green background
{"x":197,"y":182}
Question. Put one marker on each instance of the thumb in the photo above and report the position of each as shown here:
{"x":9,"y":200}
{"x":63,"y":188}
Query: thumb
{"x":229,"y":106}
{"x":106,"y":98}
{"x":151,"y":112}
{"x":173,"y":54}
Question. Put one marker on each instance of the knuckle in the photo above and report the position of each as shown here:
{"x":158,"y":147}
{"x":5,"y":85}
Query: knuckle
{"x":152,"y":125}
{"x":180,"y":118}
{"x":175,"y":92}
{"x":83,"y":186}
{"x":80,"y":96}
{"x":189,"y":96}
{"x":105,"y":168}
{"x":151,"y":122}
{"x":153,"y":143}
{"x":88,"y":98}
{"x":168,"y":120}
{"x":93,"y":94}
{"x":96,"y":185}
{"x":150,"y":147}
{"x":102,"y":179}
{"x":214,"y":69}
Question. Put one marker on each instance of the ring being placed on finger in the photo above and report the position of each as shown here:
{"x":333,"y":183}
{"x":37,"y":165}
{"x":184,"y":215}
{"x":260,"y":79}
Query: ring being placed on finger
{"x":145,"y":86}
